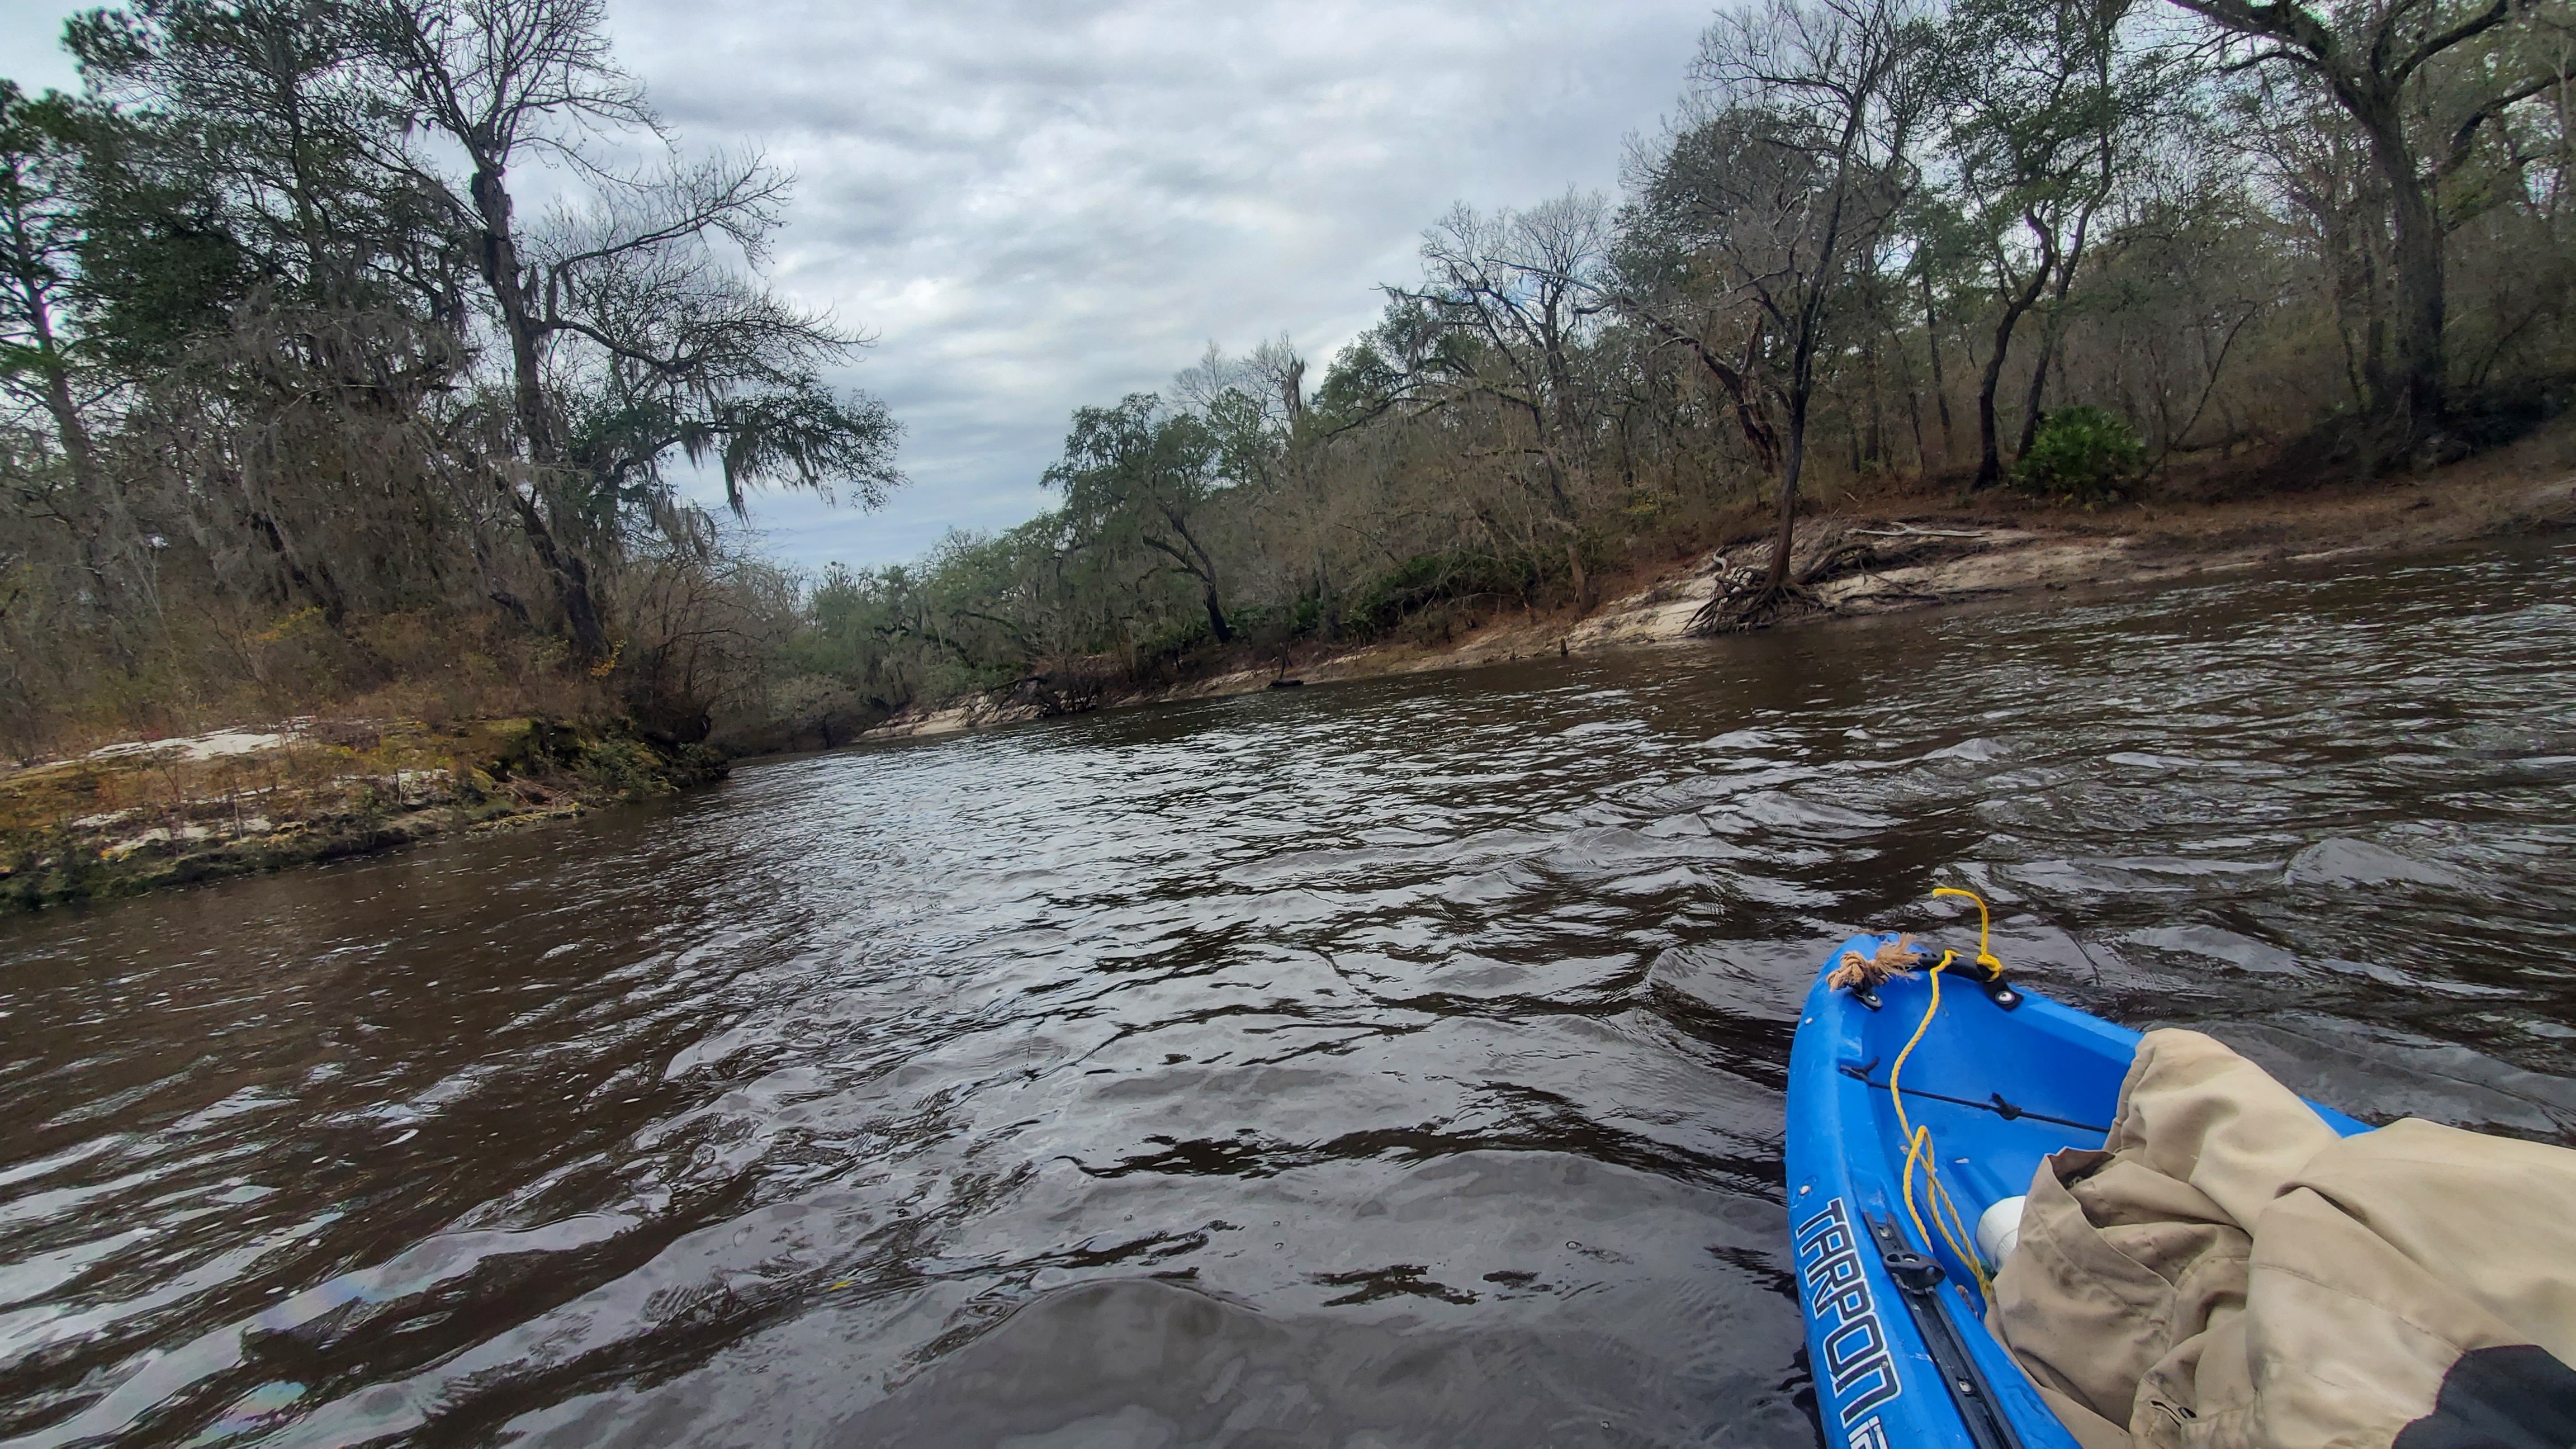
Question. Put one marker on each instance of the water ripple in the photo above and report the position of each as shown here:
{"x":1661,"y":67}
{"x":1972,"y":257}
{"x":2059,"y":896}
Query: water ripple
{"x":1402,"y":1057}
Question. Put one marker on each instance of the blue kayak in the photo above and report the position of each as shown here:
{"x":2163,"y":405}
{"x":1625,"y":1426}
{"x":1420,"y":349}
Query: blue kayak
{"x":1992,"y":1082}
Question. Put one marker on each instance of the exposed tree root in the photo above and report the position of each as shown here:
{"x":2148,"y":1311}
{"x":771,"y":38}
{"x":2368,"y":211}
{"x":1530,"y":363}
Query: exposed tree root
{"x":1745,"y":599}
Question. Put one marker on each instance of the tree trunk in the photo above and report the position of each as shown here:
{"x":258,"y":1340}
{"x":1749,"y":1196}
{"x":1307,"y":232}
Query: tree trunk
{"x":1791,"y":464}
{"x":2038,"y":386}
{"x":2053,"y":325}
{"x":1990,"y":463}
{"x":1204,"y":570}
{"x":1216,"y":614}
{"x":571,"y":577}
{"x":71,"y":430}
{"x":1940,"y":383}
{"x":2356,"y":309}
{"x":499,"y":262}
{"x":2420,"y":404}
{"x":2379,"y":393}
{"x":68,"y":423}
{"x":1875,"y":452}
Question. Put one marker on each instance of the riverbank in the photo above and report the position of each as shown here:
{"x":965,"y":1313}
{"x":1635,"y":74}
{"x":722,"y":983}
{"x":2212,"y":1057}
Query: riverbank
{"x":130,"y":818}
{"x":1909,"y":545}
{"x":986,"y":1072}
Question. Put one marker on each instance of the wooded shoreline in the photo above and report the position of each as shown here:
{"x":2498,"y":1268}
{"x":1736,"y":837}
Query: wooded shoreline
{"x":308,"y":415}
{"x":139,"y":816}
{"x":1998,"y":552}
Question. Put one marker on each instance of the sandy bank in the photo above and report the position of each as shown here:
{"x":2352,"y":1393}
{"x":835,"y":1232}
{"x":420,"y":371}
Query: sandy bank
{"x":1966,"y":554}
{"x":135,"y":816}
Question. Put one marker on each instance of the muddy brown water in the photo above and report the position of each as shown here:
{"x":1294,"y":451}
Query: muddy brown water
{"x":1396,"y":1063}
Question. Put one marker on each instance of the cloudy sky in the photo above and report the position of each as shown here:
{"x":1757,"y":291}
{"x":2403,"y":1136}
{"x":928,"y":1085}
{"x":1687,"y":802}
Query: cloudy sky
{"x":1038,"y":204}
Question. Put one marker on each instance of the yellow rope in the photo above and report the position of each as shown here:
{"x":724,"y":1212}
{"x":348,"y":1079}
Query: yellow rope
{"x":1918,"y":1140}
{"x":1985,"y":958}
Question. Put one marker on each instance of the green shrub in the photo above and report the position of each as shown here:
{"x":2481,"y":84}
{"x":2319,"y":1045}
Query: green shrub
{"x":2082,"y":453}
{"x":1425,"y":580}
{"x":627,"y":769}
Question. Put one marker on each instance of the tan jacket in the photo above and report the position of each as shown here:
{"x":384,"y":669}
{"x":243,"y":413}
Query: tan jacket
{"x":2229,"y":1271}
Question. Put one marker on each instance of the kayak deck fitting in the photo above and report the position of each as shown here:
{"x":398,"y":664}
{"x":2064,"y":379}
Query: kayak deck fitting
{"x":1891,"y":1282}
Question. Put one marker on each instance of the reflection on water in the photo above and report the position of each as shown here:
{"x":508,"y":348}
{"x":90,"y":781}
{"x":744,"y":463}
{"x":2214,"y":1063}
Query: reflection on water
{"x":1392,"y":1063}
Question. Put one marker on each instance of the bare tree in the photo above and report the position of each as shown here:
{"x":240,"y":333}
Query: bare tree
{"x":1526,"y":287}
{"x":1271,"y":379}
{"x":1793,"y":162}
{"x":2040,"y":103}
{"x":2369,"y":56}
{"x":687,"y":353}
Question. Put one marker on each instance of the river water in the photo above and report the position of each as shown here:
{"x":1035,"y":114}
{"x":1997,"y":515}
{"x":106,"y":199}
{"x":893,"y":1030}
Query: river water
{"x":1394,"y":1063}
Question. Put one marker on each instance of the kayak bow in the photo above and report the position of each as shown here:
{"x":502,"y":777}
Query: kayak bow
{"x":1890,"y":1277}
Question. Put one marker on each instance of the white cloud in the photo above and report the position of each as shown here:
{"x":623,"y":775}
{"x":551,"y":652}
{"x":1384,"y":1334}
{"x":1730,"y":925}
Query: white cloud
{"x":1038,"y":204}
{"x":1041,"y":205}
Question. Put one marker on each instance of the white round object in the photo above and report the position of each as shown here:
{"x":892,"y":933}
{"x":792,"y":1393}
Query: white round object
{"x":1999,"y":1230}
